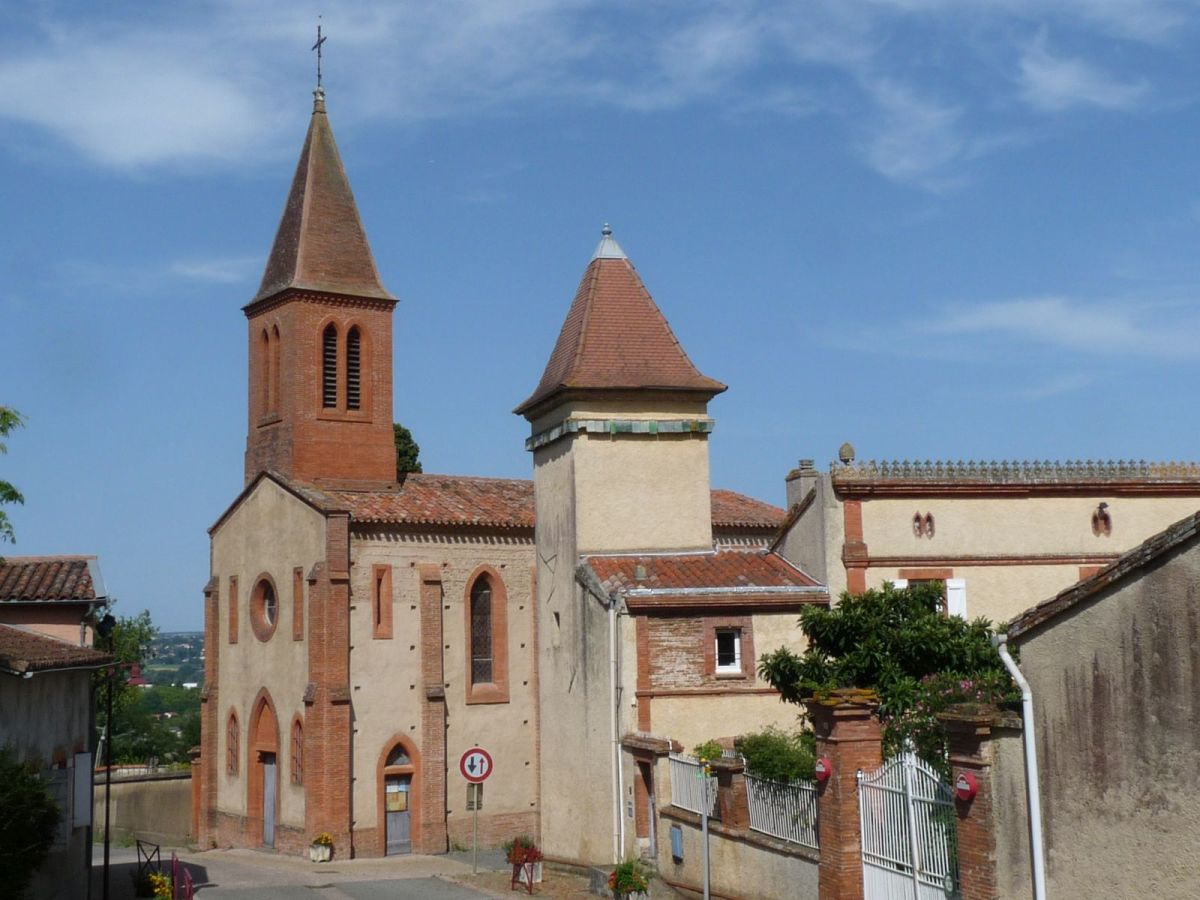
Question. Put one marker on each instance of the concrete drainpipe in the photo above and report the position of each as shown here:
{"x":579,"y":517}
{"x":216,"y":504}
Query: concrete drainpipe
{"x":1000,"y":641}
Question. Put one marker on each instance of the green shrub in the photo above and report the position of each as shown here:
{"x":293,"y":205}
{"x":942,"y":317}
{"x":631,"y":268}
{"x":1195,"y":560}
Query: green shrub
{"x":28,"y":821}
{"x":709,"y":750}
{"x":777,"y":755}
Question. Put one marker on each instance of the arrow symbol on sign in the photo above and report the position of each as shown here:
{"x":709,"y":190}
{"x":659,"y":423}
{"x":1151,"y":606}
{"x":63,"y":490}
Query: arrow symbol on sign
{"x":471,"y":764}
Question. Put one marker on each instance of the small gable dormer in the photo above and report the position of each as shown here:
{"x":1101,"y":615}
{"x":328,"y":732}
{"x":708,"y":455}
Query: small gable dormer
{"x":320,"y":391}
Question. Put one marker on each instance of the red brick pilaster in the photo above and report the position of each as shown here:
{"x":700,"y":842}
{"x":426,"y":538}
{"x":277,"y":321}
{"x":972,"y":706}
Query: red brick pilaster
{"x":209,"y":768}
{"x":854,"y":548}
{"x":642,"y":637}
{"x":968,"y":732}
{"x":733,"y":806}
{"x":327,"y":737}
{"x":848,"y":733}
{"x":433,"y":715}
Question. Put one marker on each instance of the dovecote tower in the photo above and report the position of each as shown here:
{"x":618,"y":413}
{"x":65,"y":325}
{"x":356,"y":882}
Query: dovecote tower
{"x":620,"y":399}
{"x":320,"y":327}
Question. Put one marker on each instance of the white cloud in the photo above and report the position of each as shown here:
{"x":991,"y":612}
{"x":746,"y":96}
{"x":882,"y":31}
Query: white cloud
{"x":219,"y":270}
{"x":1098,"y":328}
{"x":914,"y":139}
{"x":224,"y":83}
{"x":1052,"y":83}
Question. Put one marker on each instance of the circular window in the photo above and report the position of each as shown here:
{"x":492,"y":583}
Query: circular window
{"x":264,"y":609}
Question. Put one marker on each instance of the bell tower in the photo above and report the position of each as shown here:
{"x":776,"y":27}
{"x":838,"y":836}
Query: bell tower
{"x":320,"y":329}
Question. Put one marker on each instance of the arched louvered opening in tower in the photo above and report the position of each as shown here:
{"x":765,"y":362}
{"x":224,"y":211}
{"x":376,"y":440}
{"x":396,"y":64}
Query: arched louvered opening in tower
{"x":264,"y":373}
{"x":273,"y":389}
{"x":329,"y":367}
{"x":353,"y":369}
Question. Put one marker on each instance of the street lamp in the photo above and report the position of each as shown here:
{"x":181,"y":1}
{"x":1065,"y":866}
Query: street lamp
{"x":105,"y":630}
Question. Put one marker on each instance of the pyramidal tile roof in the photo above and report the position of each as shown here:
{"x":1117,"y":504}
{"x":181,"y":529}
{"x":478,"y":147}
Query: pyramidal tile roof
{"x":616,"y":338}
{"x":321,"y":244}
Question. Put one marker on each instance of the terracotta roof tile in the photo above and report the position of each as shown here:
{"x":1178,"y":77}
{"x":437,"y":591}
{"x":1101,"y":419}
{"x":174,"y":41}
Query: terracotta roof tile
{"x":446,"y":500}
{"x":690,"y":571}
{"x":26,"y":651}
{"x":47,"y":578}
{"x":321,"y":244}
{"x":734,"y":510}
{"x":494,"y":503}
{"x":615,"y":337}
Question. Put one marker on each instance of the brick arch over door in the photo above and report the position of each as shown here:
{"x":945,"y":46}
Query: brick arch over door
{"x":263,"y":738}
{"x":382,"y":770}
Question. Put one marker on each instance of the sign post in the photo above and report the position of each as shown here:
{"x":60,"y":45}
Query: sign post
{"x":475,"y":765}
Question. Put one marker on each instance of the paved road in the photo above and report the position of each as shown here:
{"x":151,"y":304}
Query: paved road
{"x":245,"y":874}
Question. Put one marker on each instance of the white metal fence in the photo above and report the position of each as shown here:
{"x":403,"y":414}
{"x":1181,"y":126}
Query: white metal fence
{"x":687,"y":785}
{"x":908,"y":832}
{"x":786,"y":810}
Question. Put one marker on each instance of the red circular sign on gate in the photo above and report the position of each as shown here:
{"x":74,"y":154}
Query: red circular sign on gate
{"x":476,"y":765}
{"x":823,"y":770}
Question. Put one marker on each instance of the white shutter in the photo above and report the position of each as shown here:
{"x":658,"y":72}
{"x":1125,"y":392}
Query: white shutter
{"x":82,"y":791}
{"x":956,"y":597}
{"x":899,"y":583}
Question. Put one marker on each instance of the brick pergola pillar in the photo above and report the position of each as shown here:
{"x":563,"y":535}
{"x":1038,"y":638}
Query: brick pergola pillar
{"x":733,"y":806}
{"x":848,"y":734}
{"x":968,"y":730}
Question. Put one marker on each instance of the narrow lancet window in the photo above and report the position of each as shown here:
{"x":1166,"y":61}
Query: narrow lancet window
{"x":329,"y":367}
{"x":481,"y":632}
{"x":353,"y":369}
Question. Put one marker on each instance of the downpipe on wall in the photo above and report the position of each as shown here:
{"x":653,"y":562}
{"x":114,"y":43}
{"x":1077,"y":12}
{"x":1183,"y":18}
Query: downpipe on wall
{"x":1000,"y":642}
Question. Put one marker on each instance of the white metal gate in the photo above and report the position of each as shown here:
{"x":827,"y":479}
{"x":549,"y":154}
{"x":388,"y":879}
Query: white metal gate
{"x":909,"y":845}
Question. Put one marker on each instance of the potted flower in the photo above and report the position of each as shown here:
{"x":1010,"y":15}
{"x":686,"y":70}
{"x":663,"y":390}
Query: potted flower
{"x":628,"y":880}
{"x":321,"y":849}
{"x":526,"y":860}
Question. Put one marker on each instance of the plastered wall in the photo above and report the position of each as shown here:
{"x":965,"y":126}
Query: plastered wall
{"x":386,"y":673}
{"x":1116,"y":683}
{"x":274,"y":532}
{"x":642,"y":492}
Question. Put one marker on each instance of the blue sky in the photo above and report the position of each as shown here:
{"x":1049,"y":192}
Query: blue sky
{"x":935,"y":228}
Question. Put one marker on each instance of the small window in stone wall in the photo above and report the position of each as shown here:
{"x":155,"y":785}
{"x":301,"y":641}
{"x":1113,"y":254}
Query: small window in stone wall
{"x":729,"y":650}
{"x":232,"y":750}
{"x":297,"y":752}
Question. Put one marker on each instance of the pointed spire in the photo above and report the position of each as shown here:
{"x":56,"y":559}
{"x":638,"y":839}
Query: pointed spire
{"x":321,"y":244}
{"x":615,"y":338}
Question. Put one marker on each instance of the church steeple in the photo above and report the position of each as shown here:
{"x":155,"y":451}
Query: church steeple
{"x":320,"y":381}
{"x":321,"y":244}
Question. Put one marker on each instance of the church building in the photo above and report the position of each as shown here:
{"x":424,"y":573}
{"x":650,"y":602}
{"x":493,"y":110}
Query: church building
{"x":363,"y":630}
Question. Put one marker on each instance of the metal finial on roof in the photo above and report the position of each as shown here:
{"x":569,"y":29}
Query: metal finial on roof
{"x":608,"y":248}
{"x":317,"y":47}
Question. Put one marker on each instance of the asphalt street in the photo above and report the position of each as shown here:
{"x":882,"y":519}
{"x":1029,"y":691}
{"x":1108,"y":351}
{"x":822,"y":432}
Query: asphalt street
{"x":244,"y":874}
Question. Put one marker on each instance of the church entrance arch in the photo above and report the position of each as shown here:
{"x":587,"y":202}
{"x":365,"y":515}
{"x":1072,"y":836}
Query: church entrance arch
{"x":399,"y":796}
{"x":262,"y":788}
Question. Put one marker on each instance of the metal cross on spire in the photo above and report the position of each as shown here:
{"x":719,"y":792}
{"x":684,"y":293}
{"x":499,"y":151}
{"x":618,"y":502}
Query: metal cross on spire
{"x":317,"y":47}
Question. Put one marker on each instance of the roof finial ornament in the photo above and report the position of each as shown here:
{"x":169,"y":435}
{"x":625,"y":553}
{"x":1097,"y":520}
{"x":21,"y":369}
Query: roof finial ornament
{"x":608,"y":248}
{"x":319,"y":93}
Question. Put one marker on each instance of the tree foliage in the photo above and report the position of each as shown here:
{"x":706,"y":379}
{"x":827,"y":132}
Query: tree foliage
{"x":29,"y":818}
{"x":897,"y":642}
{"x":129,"y":641}
{"x":10,"y":419}
{"x":408,"y":452}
